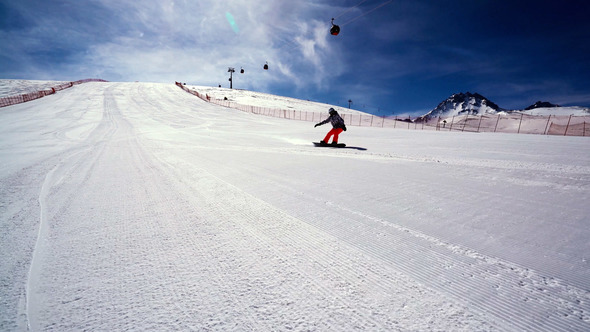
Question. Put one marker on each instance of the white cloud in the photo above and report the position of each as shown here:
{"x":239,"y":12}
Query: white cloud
{"x":193,"y":41}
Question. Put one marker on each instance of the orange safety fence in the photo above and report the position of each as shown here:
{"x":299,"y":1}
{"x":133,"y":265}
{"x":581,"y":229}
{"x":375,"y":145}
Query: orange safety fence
{"x":518,"y":123}
{"x":17,"y":99}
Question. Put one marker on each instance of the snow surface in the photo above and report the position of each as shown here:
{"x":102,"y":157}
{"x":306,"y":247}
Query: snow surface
{"x":246,"y":97}
{"x":19,"y":87}
{"x":136,"y":206}
{"x":562,"y":110}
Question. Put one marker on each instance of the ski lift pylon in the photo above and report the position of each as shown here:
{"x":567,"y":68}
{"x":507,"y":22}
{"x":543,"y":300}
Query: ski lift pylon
{"x":334,"y":30}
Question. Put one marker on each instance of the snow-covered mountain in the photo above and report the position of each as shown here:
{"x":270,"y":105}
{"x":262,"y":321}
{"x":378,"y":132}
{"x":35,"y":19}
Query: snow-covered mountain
{"x":460,"y":104}
{"x":541,"y":104}
{"x":476,"y":104}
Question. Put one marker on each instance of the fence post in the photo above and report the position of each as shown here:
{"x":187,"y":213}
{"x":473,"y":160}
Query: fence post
{"x":465,"y":122}
{"x":452,"y":121}
{"x":547,"y":125}
{"x":479,"y":125}
{"x":520,"y":123}
{"x":568,"y":125}
{"x":395,"y":122}
{"x":495,"y":128}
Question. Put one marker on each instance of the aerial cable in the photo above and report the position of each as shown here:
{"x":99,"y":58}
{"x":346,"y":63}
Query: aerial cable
{"x":349,"y":9}
{"x":370,"y":11}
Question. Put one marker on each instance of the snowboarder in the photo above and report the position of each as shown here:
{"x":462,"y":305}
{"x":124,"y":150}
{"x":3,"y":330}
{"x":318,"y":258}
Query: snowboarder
{"x":338,"y":126}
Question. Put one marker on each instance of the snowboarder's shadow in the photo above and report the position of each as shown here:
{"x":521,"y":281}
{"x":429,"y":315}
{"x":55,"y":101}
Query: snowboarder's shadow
{"x":337,"y":146}
{"x":355,"y":148}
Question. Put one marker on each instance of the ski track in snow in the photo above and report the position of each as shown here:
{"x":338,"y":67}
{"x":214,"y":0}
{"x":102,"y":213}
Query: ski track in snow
{"x":502,"y":286}
{"x":144,"y":208}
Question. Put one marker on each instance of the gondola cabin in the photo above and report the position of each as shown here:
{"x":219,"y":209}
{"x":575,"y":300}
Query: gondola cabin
{"x":266,"y":66}
{"x":334,"y":30}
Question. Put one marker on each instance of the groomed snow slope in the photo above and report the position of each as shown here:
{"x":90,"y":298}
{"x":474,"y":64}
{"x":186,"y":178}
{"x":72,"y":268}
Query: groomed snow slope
{"x":132,"y":206}
{"x":17,"y":87}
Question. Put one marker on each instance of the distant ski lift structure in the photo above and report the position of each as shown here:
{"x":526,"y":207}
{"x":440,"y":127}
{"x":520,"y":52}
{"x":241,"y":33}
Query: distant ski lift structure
{"x":266,"y":66}
{"x":231,"y":70}
{"x":334,"y":30}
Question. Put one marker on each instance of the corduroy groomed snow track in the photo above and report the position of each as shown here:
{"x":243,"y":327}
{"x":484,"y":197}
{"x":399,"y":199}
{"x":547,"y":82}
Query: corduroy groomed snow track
{"x":132,"y":206}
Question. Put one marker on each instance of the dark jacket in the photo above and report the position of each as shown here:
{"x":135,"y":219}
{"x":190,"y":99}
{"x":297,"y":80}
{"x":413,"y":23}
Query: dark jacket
{"x":336,"y":120}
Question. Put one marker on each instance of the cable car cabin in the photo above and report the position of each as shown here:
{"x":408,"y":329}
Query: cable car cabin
{"x":334,"y":30}
{"x":266,"y":66}
{"x":242,"y":70}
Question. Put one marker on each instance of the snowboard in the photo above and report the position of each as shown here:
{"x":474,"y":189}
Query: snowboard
{"x":329,"y":145}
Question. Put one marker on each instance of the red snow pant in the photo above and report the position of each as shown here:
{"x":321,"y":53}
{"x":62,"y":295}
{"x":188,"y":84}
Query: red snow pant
{"x":334,"y":132}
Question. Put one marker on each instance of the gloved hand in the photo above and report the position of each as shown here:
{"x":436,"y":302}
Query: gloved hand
{"x":317,"y":124}
{"x":344,"y":128}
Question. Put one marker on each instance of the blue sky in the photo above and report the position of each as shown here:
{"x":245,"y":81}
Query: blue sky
{"x":403,"y":58}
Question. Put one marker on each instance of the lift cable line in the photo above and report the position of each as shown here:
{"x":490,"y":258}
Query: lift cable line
{"x":335,"y":29}
{"x":349,"y":9}
{"x":367,"y":13}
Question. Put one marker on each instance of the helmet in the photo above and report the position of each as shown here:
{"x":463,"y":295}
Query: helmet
{"x":332,"y":111}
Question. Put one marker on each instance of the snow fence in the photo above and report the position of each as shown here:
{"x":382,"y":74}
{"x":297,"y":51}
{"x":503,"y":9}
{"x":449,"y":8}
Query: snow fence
{"x":518,"y":123}
{"x":17,"y":99}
